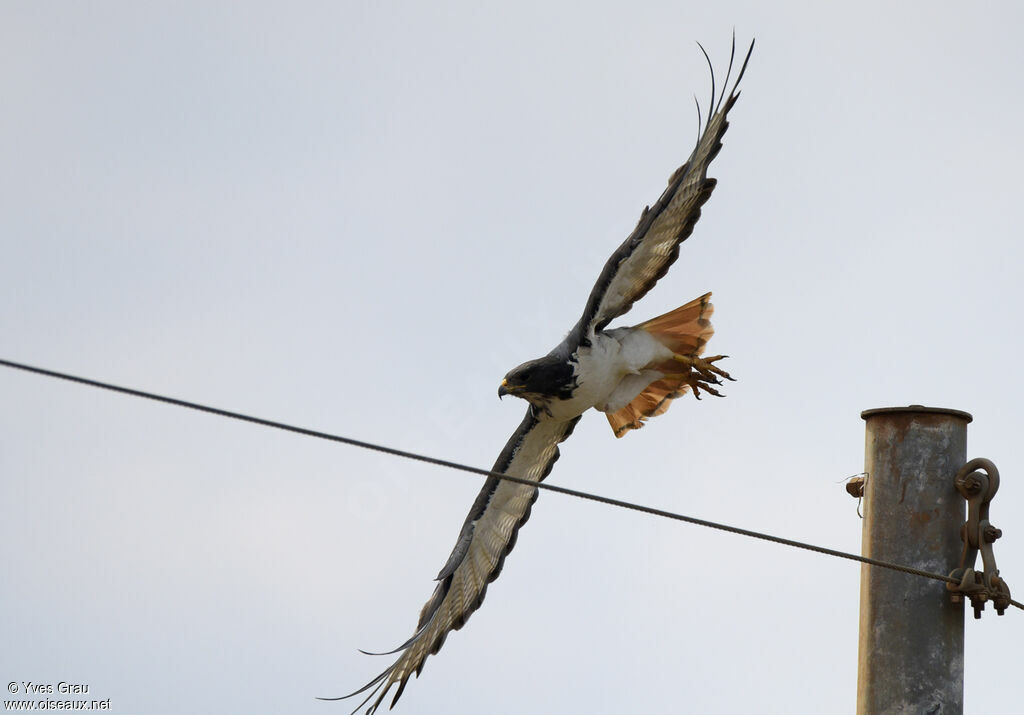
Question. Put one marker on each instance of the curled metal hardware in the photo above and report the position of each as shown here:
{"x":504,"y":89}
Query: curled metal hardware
{"x":978,"y":481}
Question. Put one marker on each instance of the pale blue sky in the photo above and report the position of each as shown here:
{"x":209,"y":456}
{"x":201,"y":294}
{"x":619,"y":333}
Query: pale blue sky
{"x":358,"y":216}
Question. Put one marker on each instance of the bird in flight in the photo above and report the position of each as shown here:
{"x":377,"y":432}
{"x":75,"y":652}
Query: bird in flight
{"x":630,"y":373}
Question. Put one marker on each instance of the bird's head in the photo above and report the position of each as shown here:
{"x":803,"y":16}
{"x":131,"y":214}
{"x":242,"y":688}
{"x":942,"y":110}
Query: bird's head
{"x":540,"y":381}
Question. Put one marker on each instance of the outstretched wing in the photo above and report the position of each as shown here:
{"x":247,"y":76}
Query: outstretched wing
{"x":487,"y":537}
{"x":653,"y":246}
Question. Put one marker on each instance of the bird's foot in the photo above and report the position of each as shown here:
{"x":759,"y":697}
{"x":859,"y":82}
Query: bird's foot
{"x":697,"y":384}
{"x":705,"y":367}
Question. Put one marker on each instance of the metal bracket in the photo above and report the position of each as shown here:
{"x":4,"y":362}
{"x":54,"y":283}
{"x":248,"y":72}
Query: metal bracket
{"x":978,"y":534}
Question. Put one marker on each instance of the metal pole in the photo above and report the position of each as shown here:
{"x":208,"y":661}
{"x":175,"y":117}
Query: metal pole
{"x":911,"y":655}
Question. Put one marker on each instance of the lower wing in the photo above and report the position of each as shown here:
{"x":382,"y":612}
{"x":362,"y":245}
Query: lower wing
{"x":487,"y":537}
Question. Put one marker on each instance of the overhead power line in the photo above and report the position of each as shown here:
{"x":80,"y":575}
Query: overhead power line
{"x":476,"y":470}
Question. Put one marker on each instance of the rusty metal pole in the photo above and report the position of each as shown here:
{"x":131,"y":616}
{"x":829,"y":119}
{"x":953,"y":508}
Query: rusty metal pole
{"x":911,"y":655}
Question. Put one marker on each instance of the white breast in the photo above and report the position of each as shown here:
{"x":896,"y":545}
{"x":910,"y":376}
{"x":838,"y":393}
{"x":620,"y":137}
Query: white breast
{"x":612,"y":371}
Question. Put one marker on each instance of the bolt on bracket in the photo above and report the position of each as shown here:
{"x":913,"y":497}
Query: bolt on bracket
{"x":978,"y":534}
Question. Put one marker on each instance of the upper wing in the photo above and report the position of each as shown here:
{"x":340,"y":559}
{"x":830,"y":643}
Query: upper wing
{"x":653,"y":246}
{"x":487,"y":537}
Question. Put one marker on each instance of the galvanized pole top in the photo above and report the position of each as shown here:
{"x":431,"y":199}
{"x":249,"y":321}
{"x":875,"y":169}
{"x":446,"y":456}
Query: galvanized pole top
{"x":911,"y":656}
{"x":912,"y":409}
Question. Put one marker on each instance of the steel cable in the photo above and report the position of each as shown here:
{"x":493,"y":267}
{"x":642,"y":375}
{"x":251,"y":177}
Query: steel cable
{"x":483,"y":472}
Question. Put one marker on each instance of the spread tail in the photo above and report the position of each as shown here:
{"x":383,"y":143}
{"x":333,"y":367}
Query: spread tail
{"x":685,"y":331}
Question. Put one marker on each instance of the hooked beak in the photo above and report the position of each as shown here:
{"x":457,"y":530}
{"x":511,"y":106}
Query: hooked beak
{"x":506,"y":389}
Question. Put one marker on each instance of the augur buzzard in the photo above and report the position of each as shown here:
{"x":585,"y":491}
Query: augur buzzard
{"x":630,"y":374}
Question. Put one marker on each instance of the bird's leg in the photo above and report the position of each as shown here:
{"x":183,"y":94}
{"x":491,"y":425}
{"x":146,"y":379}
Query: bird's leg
{"x":705,"y":366}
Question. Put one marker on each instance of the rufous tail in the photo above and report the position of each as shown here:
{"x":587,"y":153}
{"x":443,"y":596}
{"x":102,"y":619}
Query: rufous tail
{"x":685,"y":331}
